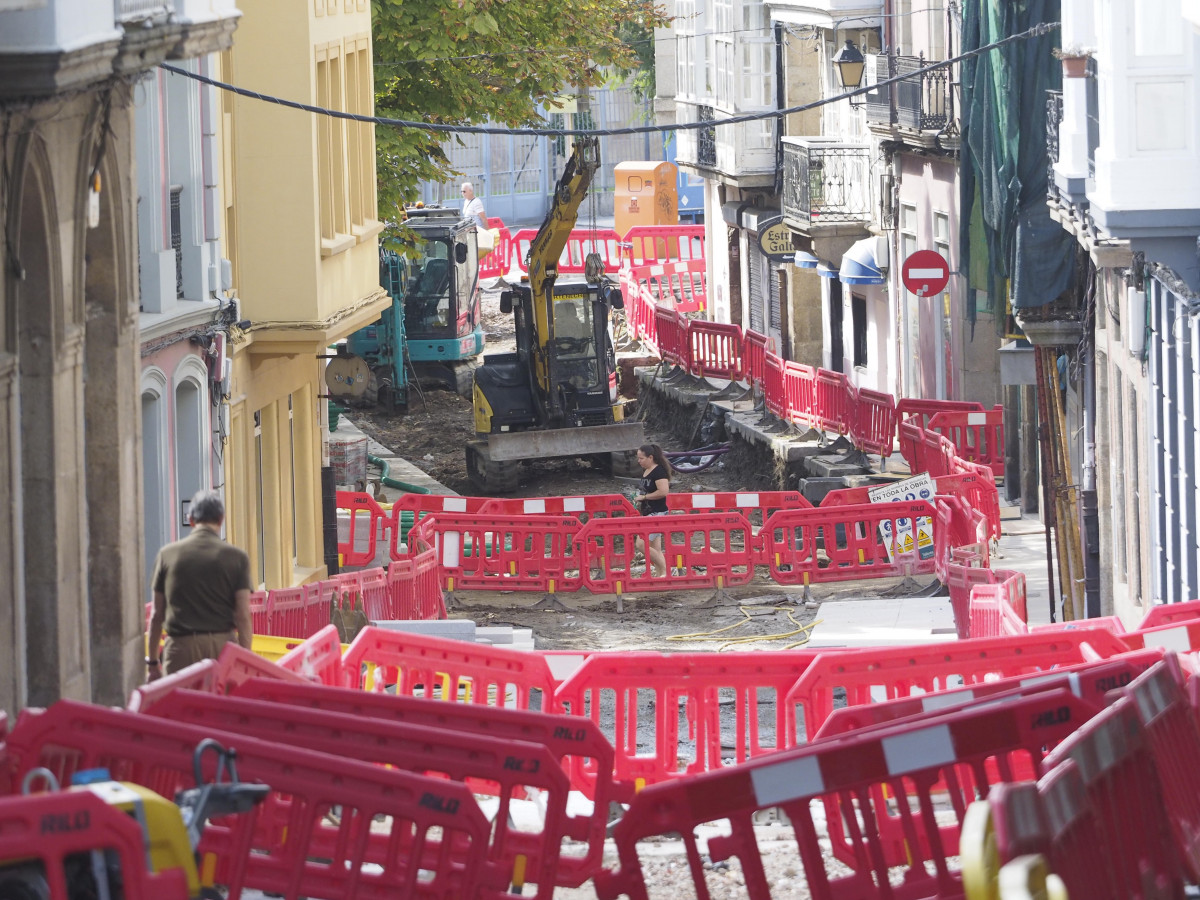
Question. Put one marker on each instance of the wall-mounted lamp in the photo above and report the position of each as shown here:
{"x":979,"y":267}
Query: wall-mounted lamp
{"x":849,"y":63}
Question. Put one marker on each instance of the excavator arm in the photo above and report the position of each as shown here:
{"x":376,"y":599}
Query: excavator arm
{"x":548,"y":244}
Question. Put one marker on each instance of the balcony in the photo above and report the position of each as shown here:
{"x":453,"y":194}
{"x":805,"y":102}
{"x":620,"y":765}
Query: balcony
{"x":140,"y":10}
{"x":742,"y":154}
{"x":908,"y":108}
{"x":825,"y":182}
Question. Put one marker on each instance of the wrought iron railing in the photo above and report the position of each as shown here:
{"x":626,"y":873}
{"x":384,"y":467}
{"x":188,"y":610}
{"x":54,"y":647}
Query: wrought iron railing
{"x":826,"y":182}
{"x":1054,"y":114}
{"x":135,"y":10}
{"x":706,"y":139}
{"x":921,"y":102}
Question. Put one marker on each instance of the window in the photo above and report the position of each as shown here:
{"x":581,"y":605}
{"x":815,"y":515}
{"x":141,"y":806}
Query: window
{"x":189,"y":441}
{"x":177,"y":236}
{"x":331,"y":144}
{"x":258,"y":495}
{"x":324,"y":148}
{"x":858,"y":316}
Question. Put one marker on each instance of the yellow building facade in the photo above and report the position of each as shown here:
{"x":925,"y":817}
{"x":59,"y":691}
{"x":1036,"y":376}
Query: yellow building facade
{"x":301,"y":231}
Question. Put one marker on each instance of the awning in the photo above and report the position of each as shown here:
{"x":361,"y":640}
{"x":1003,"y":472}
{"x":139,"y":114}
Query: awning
{"x":859,"y":265}
{"x":805,"y":260}
{"x":826,"y":270}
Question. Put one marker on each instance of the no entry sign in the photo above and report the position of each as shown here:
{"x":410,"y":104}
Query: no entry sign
{"x":925,"y":273}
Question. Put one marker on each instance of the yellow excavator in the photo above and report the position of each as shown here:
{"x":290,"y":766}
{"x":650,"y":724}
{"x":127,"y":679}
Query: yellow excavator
{"x":556,"y":395}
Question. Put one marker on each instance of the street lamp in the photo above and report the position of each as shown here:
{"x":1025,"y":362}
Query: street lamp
{"x":849,"y":63}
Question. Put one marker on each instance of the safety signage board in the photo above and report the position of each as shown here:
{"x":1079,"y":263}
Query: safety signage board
{"x":918,"y":531}
{"x":925,"y":273}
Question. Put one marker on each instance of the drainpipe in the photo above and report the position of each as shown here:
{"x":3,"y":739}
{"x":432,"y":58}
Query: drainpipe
{"x":1089,"y":504}
{"x":780,"y":103}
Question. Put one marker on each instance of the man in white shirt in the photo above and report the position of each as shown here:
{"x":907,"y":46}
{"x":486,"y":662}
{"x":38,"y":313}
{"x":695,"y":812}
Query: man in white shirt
{"x":472,"y":205}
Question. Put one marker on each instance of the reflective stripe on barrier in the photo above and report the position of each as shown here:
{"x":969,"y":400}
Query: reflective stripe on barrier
{"x":806,"y":546}
{"x":498,"y":768}
{"x":352,"y":550}
{"x":652,"y":243}
{"x":715,"y":350}
{"x":429,"y":841}
{"x":418,"y":665}
{"x":977,"y":436}
{"x":873,"y":426}
{"x":514,"y":553}
{"x":1182,"y":637}
{"x":577,"y":742}
{"x":619,"y":691}
{"x":587,"y":506}
{"x":721,"y":545}
{"x":849,"y":775}
{"x":889,"y":672}
{"x":41,"y":832}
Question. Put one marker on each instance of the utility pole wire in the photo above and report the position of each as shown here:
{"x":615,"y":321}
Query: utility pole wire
{"x":1035,"y":31}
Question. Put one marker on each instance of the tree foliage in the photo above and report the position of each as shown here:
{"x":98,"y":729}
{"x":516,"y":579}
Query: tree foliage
{"x":473,"y":61}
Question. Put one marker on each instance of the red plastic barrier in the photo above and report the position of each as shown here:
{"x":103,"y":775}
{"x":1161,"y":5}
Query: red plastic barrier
{"x":502,"y":769}
{"x":1182,"y":637}
{"x":654,"y":243}
{"x":418,"y":665}
{"x":754,"y":349}
{"x":260,"y":612}
{"x":873,"y":422}
{"x":287,"y":612}
{"x":414,"y":586}
{"x":682,"y":286}
{"x":399,"y":834}
{"x":836,"y":401}
{"x":1089,"y":681}
{"x":849,"y":775}
{"x":580,"y":243}
{"x":978,"y":437}
{"x":576,"y":742}
{"x":923,"y":409}
{"x":1172,"y":729}
{"x":29,"y":834}
{"x":800,"y":394}
{"x":890,"y":672}
{"x":751,"y":504}
{"x":198,"y":676}
{"x":510,"y":553}
{"x":774,"y":392}
{"x":362,"y":507}
{"x":569,"y":739}
{"x":422,"y":505}
{"x":622,"y":692}
{"x":715,"y":350}
{"x":671,"y":329}
{"x":960,"y":580}
{"x":639,"y":308}
{"x":499,"y":262}
{"x":236,"y":664}
{"x":317,"y":659}
{"x":1169,"y":613}
{"x":909,"y":436}
{"x":316,"y":610}
{"x":807,"y":546}
{"x":701,"y":550}
{"x":1071,"y":842}
{"x":979,"y":492}
{"x":583,"y":508}
{"x":999,"y":608}
{"x":1120,"y":775}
